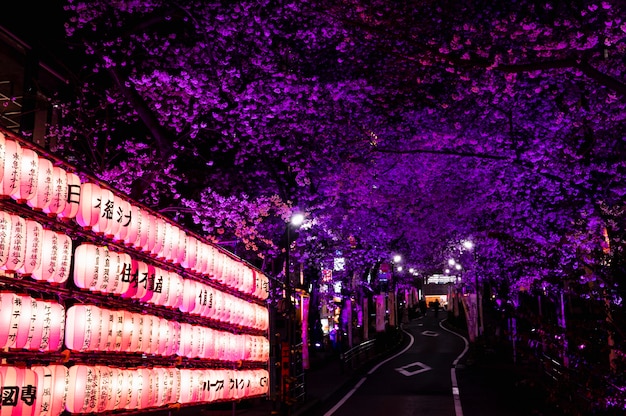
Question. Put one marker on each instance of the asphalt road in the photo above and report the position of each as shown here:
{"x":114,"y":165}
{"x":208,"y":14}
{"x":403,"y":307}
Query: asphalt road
{"x":418,"y":380}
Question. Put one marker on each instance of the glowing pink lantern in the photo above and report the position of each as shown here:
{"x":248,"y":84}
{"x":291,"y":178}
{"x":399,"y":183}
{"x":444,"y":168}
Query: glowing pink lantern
{"x":20,"y":321}
{"x":64,"y":259}
{"x":203,"y":254}
{"x":34,"y":238}
{"x":139,"y":235}
{"x":189,"y":257}
{"x":132,"y":218}
{"x":12,"y":165}
{"x":136,"y":340}
{"x":175,"y":297}
{"x":122,"y":219}
{"x":123,"y":275}
{"x":45,"y":380}
{"x":83,"y":389}
{"x":58,"y":198}
{"x":73,"y":197}
{"x":17,"y":245}
{"x":52,"y":332}
{"x":159,"y":237}
{"x":133,"y":389}
{"x":44,"y":186}
{"x":35,"y":331}
{"x":188,"y":303}
{"x":88,"y":208}
{"x":28,"y":176}
{"x":105,"y":389}
{"x":105,"y":216}
{"x":130,"y":274}
{"x":24,"y":379}
{"x":109,"y":320}
{"x":83,"y":326}
{"x":6,"y":224}
{"x":84,"y":258}
{"x":152,"y":232}
{"x":48,"y":266}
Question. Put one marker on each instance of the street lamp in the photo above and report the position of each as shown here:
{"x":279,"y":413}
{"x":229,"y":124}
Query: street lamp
{"x":469,"y":246}
{"x":296,"y":221}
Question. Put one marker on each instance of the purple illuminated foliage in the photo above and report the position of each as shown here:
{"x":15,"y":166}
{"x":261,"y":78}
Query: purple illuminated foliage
{"x":408,"y":126}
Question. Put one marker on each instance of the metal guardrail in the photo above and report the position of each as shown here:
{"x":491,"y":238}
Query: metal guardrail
{"x":357,"y":356}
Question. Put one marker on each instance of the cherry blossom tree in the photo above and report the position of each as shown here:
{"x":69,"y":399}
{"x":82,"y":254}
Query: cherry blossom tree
{"x":395,"y":126}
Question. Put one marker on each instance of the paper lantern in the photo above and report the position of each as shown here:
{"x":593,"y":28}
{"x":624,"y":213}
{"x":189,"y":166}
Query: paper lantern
{"x":105,"y":389}
{"x":190,"y":257}
{"x":22,"y":401}
{"x":20,"y":321}
{"x":28,"y":176}
{"x":118,"y":397}
{"x":136,"y":339}
{"x":202,"y":255}
{"x":132,"y":221}
{"x":134,"y":388}
{"x":12,"y":166}
{"x":140,"y":220}
{"x":83,"y":328}
{"x":108,"y":318}
{"x":64,"y":259}
{"x":58,"y":199}
{"x":83,"y":389}
{"x":34,"y":238}
{"x":176,"y":288}
{"x":17,"y":245}
{"x":147,"y":395}
{"x":107,"y":208}
{"x":48,"y":266}
{"x":107,"y":268}
{"x":122,"y":219}
{"x":43,"y":195}
{"x":35,"y":331}
{"x":6,"y":225}
{"x":45,"y":380}
{"x":188,"y":303}
{"x":180,"y":247}
{"x":50,"y":332}
{"x":121,"y":282}
{"x":151,"y":231}
{"x":145,"y":273}
{"x":159,"y":237}
{"x":115,"y":211}
{"x":89,"y":205}
{"x":72,"y":204}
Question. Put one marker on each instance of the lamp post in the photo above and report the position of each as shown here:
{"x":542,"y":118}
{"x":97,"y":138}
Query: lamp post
{"x":288,"y":373}
{"x":469,"y":245}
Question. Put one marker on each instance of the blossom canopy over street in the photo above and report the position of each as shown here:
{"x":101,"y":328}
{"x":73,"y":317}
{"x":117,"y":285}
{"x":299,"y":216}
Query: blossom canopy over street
{"x":395,"y":127}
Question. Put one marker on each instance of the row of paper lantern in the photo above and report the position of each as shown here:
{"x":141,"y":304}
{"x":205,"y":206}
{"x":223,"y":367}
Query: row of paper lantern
{"x":29,"y":249}
{"x":46,"y":255}
{"x":99,"y":269}
{"x":91,"y":328}
{"x":50,"y":390}
{"x":45,"y":326}
{"x":32,"y":179}
{"x":26,"y":323}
